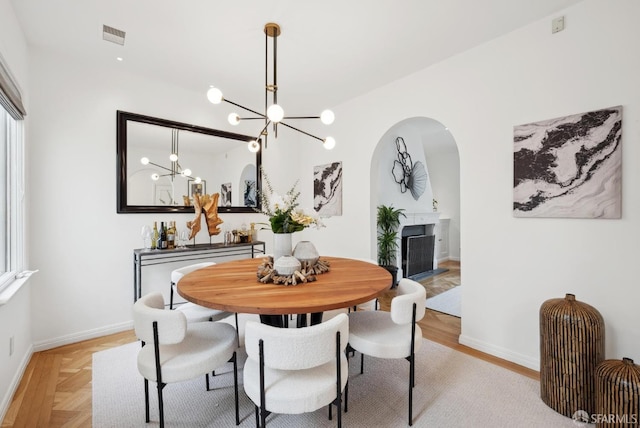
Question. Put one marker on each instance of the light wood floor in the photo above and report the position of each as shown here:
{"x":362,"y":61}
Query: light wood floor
{"x":55,"y":390}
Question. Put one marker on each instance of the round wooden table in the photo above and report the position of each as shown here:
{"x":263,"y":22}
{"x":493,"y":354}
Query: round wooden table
{"x":233,"y":286}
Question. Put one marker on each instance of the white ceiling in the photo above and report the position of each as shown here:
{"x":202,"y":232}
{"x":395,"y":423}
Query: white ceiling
{"x":329,"y":50}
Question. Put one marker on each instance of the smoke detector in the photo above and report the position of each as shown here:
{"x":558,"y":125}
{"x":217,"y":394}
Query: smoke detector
{"x":113,"y":35}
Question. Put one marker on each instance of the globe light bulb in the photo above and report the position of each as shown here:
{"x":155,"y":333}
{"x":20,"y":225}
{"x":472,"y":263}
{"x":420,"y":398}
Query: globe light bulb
{"x":253,"y":146}
{"x":144,"y":161}
{"x":214,"y":95}
{"x":329,"y":143}
{"x":198,"y":180}
{"x":186,"y":171}
{"x":275,"y":113}
{"x":233,"y":119}
{"x":155,"y":177}
{"x":173,"y":157}
{"x":327,"y":117}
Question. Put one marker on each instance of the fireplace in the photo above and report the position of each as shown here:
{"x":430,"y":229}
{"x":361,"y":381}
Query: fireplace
{"x":416,"y":244}
{"x":417,"y":249}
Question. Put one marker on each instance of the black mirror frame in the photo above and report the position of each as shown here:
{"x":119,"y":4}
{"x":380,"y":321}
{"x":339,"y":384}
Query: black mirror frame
{"x":123,"y":207}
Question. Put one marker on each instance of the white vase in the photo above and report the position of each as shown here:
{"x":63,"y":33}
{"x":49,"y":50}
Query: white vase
{"x":306,"y":252}
{"x":281,"y":245}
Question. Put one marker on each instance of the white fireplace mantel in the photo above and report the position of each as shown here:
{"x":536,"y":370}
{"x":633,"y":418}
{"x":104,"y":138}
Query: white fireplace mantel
{"x":419,"y":218}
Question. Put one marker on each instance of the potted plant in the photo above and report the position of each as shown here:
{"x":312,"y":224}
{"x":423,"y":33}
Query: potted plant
{"x":388,"y":221}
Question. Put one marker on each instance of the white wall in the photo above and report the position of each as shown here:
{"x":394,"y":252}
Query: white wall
{"x":511,"y":266}
{"x":15,"y":316}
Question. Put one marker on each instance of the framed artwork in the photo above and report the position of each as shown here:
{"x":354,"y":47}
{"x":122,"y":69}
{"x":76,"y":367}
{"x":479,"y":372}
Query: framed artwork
{"x":162,"y":194}
{"x":250,"y":196}
{"x":225,"y":195}
{"x":327,"y":189}
{"x":569,"y":166}
{"x":197,"y":188}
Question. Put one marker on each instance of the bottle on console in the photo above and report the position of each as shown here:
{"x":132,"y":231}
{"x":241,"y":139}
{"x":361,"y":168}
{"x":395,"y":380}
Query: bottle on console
{"x":155,"y":236}
{"x":171,"y":235}
{"x":162,"y":242}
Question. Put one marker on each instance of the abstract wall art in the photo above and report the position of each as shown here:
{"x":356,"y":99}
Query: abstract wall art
{"x":569,"y":167}
{"x":327,"y":189}
{"x":225,"y":195}
{"x":250,"y":196}
{"x":410,"y":176}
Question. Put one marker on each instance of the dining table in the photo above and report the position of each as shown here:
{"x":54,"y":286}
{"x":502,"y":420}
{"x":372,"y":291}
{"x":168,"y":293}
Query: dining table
{"x":234,"y":286}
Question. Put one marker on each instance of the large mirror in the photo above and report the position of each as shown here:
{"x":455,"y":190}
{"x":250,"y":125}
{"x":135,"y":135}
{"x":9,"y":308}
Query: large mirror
{"x":206,"y":161}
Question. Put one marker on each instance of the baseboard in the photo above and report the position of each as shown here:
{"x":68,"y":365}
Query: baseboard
{"x":15,"y":382}
{"x":83,"y":335}
{"x":497,"y":351}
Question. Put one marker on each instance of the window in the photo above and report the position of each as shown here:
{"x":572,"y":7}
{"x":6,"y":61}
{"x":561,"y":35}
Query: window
{"x":12,"y":212}
{"x":11,"y":203}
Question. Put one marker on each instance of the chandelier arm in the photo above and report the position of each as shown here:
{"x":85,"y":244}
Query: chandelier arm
{"x":301,"y":131}
{"x":262,"y":116}
{"x":160,"y":166}
{"x":301,"y":117}
{"x":262,"y":132}
{"x":168,"y":169}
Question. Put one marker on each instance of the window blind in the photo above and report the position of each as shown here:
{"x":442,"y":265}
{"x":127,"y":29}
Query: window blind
{"x":10,"y":97}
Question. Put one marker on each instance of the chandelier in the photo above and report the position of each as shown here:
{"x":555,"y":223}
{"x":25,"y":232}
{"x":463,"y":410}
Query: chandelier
{"x":175,"y":169}
{"x":273,"y":113}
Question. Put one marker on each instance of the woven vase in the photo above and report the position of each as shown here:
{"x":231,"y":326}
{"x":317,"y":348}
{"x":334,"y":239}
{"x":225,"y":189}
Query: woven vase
{"x":571,"y":347}
{"x":618,"y":393}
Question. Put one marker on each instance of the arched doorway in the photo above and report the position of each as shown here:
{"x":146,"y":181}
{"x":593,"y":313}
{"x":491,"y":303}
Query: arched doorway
{"x":430,"y":142}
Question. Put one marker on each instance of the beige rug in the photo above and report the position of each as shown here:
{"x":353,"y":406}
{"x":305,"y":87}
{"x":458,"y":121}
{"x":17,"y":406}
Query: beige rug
{"x":452,"y":390}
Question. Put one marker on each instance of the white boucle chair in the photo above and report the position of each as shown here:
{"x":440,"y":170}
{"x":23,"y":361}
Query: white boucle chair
{"x":296,"y":370}
{"x":371,"y":305}
{"x":393,"y":334}
{"x":193,"y":312}
{"x":174,"y":351}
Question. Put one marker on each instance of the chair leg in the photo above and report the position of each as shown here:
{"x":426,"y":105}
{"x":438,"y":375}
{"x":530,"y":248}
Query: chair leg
{"x":361,"y":363}
{"x":171,"y":297}
{"x":146,"y":401}
{"x":237,"y":330}
{"x":206,"y":376}
{"x":411,"y":385}
{"x":161,"y":404}
{"x":346,"y":397}
{"x":235,"y":386}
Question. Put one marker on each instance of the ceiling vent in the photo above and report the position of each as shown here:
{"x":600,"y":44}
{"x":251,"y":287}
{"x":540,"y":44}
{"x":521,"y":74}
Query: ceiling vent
{"x":113,"y":35}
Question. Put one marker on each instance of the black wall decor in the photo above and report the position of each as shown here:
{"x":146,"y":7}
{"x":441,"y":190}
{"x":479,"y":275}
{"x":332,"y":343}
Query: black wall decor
{"x":409,"y":176}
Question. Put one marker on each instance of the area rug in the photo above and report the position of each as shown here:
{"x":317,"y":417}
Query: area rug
{"x":448,"y":302}
{"x":452,"y":390}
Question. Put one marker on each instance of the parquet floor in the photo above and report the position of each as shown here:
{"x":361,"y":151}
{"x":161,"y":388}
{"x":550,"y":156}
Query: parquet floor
{"x":55,"y":390}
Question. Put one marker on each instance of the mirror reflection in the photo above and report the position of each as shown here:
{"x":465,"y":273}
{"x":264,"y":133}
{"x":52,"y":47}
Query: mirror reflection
{"x":163,"y":164}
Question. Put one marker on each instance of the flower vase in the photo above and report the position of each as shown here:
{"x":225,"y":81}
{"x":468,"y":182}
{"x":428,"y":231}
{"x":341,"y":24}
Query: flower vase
{"x":281,"y":245}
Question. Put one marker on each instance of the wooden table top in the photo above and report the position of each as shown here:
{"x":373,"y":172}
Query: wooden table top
{"x":233,"y":286}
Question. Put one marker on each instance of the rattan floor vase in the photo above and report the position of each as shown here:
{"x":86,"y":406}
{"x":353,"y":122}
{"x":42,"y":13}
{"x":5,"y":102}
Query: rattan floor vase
{"x":617,"y":394}
{"x":571,"y":347}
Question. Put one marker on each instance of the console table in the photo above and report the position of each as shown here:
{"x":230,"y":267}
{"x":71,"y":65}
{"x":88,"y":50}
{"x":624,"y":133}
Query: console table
{"x":147,"y":257}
